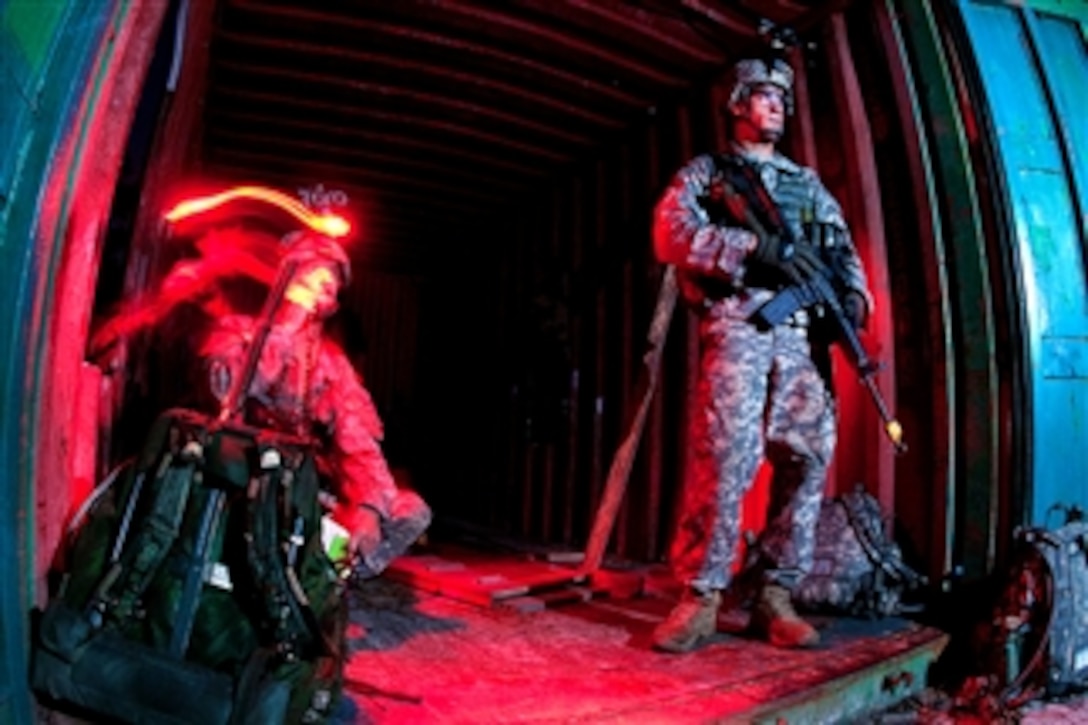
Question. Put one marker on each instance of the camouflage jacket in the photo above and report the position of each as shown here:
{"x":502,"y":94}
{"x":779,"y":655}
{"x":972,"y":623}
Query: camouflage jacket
{"x":712,"y":259}
{"x":310,"y":387}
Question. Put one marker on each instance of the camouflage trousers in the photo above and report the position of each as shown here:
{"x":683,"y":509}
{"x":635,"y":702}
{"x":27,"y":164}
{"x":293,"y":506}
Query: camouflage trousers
{"x":759,"y":394}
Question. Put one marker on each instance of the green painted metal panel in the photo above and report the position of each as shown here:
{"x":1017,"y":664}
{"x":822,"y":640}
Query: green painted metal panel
{"x":974,"y":506}
{"x":1031,"y":144}
{"x":16,"y":90}
{"x":46,"y":49}
{"x":32,"y":27}
{"x":1075,"y":9}
{"x":28,"y":32}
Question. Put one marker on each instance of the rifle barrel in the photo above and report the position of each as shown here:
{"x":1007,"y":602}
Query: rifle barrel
{"x":866,"y":368}
{"x":892,"y":427}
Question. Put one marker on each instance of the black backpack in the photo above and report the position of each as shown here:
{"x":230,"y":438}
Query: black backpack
{"x":197,"y":589}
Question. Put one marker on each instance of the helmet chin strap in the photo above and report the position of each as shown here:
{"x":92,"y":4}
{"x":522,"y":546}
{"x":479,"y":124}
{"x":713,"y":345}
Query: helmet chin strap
{"x":770,"y":136}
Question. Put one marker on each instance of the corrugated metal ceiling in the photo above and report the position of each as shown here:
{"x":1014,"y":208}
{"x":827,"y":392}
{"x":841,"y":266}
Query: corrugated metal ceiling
{"x":430,"y":113}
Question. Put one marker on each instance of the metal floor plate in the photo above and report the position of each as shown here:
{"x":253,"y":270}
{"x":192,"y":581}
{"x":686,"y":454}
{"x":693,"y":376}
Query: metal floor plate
{"x":426,"y":657}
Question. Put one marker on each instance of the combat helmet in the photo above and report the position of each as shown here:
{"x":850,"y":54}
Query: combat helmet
{"x":305,"y":247}
{"x":751,"y":72}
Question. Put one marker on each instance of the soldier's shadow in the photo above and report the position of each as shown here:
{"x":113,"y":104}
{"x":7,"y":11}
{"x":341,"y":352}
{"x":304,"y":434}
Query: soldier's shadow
{"x":382,"y":615}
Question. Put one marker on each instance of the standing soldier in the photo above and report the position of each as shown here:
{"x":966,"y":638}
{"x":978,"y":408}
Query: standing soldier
{"x":762,"y":389}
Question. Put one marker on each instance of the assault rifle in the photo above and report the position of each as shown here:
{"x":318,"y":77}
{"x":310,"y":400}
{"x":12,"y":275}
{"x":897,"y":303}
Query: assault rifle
{"x":816,"y":292}
{"x":737,"y":192}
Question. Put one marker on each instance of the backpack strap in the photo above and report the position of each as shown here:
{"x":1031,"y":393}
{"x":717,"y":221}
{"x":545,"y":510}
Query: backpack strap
{"x":233,"y":407}
{"x":271,"y":553}
{"x":872,"y":542}
{"x":1025,"y":686}
{"x":134,"y":564}
{"x":194,"y":576}
{"x":745,"y":197}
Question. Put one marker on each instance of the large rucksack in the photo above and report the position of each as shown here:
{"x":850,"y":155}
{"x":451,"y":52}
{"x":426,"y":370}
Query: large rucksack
{"x":857,"y":568}
{"x":197,"y":589}
{"x":1037,"y":639}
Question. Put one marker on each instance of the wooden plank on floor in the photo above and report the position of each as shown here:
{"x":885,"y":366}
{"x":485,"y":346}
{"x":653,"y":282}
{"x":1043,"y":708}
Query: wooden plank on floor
{"x":487,"y":581}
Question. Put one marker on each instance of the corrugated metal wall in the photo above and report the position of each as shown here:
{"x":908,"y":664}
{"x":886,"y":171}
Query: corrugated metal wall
{"x":578,"y":288}
{"x":383,"y":309}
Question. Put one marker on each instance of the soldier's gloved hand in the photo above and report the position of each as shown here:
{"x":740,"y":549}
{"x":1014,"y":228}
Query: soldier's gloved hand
{"x":772,"y":250}
{"x":855,"y":309}
{"x":367,"y":533}
{"x":804,"y":265}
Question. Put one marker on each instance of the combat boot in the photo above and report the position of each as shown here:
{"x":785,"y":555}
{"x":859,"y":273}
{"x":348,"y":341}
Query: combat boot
{"x":694,"y":619}
{"x":774,"y":619}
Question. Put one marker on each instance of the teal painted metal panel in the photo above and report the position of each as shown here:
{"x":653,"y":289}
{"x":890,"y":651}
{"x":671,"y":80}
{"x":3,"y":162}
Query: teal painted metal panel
{"x":1065,"y":62}
{"x":46,"y":47}
{"x":1039,"y":168}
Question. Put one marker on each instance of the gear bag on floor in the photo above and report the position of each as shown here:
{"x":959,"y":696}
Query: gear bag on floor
{"x":197,"y":589}
{"x":857,"y":568}
{"x":1038,"y":636}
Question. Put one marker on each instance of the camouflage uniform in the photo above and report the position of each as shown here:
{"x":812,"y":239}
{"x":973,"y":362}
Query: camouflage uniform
{"x":759,"y":392}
